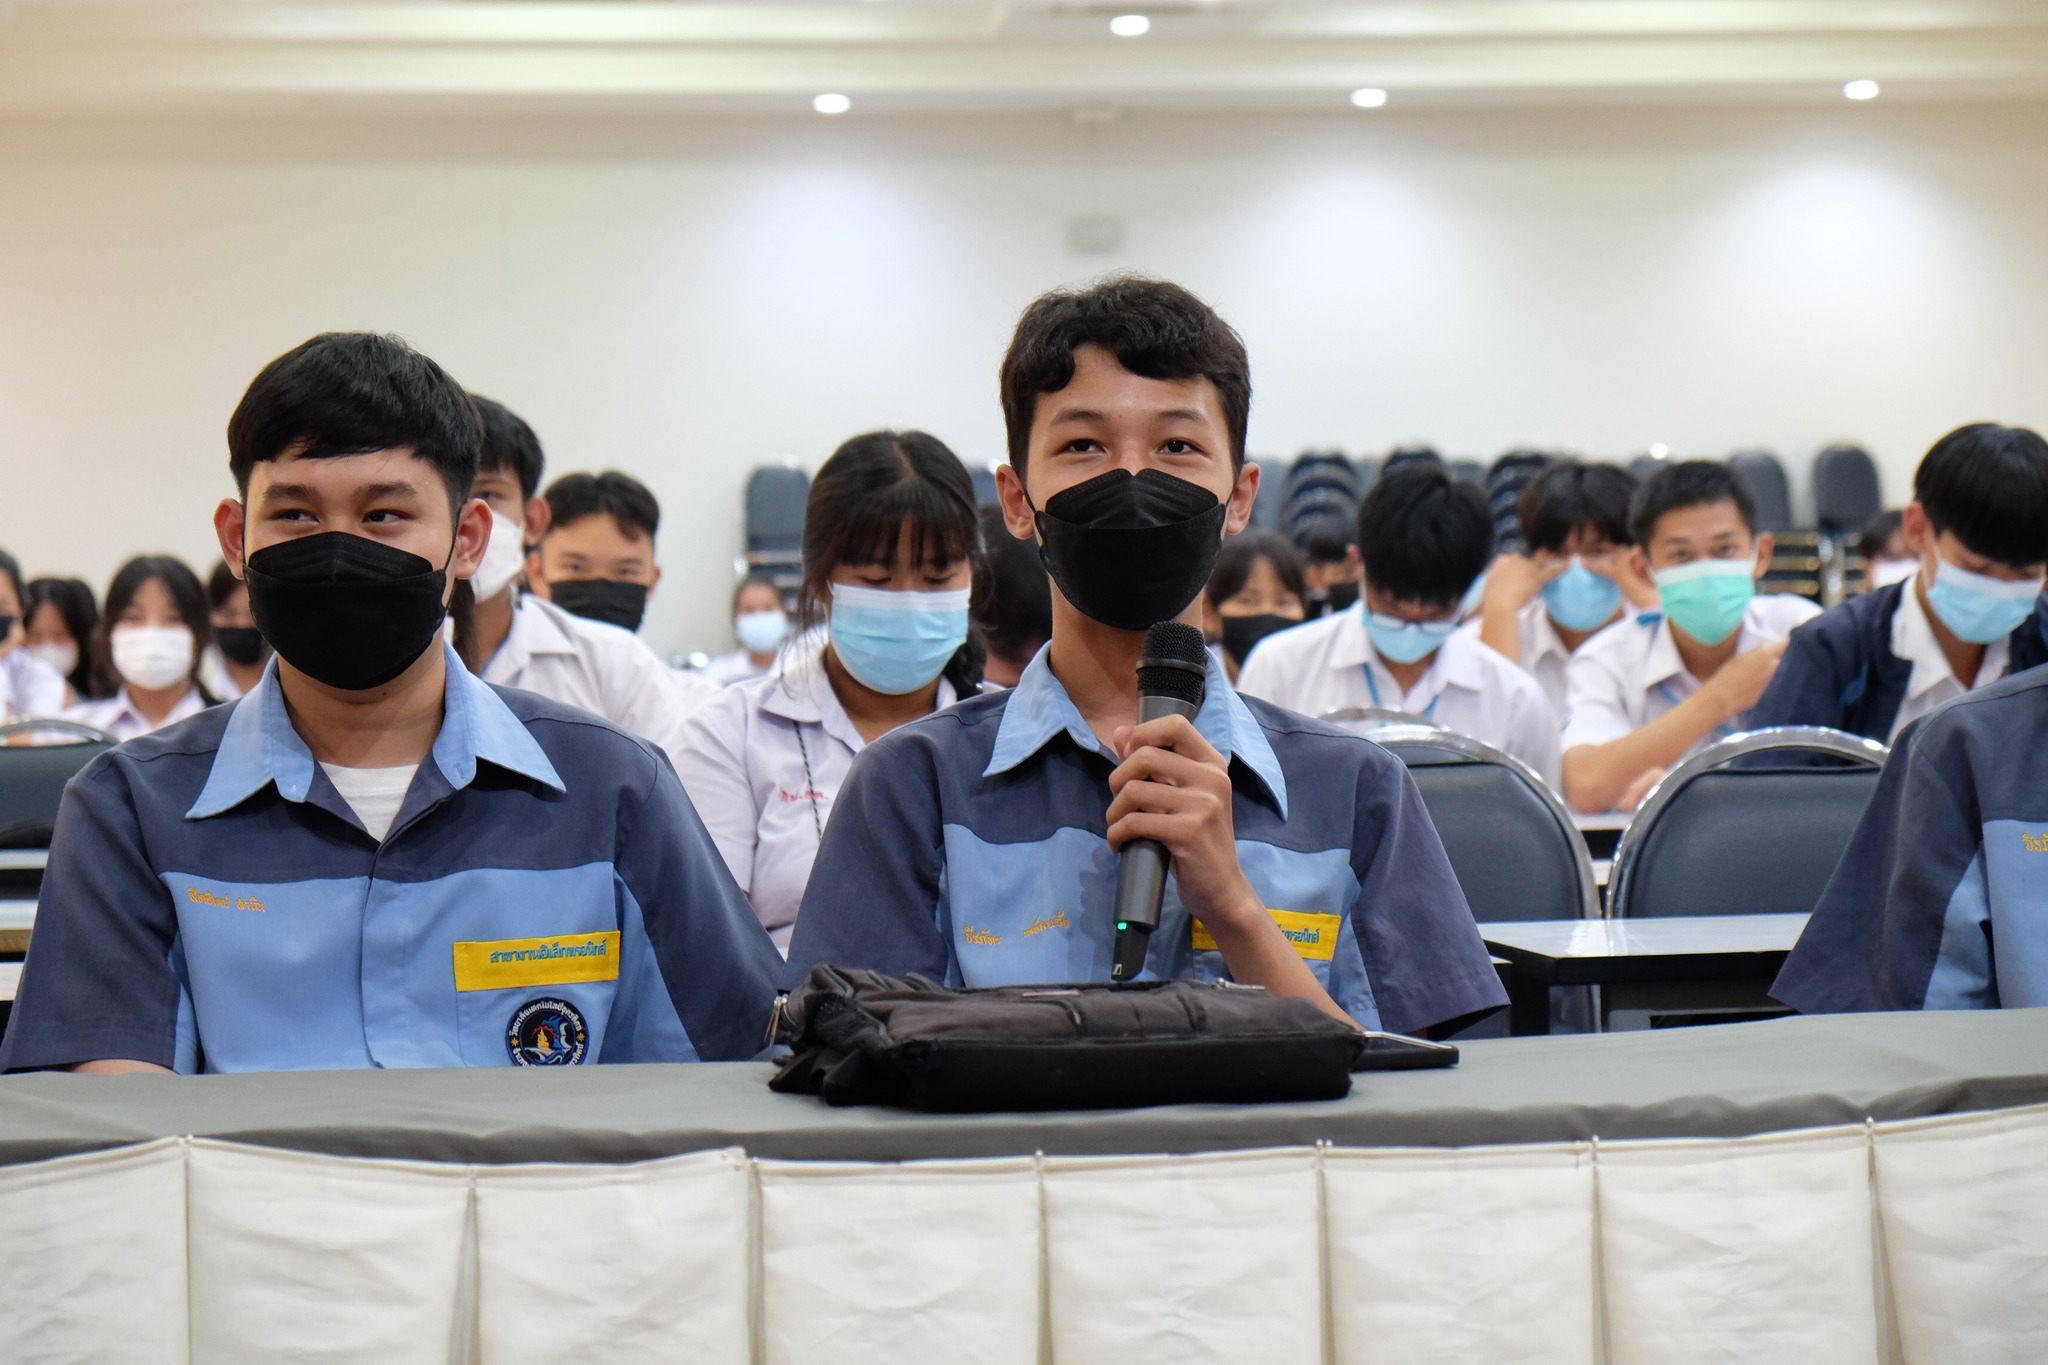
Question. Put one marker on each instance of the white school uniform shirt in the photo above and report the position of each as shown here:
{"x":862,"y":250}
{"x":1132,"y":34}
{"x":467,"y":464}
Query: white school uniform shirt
{"x":1630,"y":673}
{"x":1545,"y":656}
{"x":28,"y":686}
{"x":727,"y":669}
{"x":118,"y":717}
{"x":599,"y":667}
{"x":763,"y":763}
{"x":1933,"y":681}
{"x":1329,"y":664}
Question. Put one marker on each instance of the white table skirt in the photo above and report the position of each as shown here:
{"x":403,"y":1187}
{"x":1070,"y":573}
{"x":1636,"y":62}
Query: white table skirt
{"x":1917,"y":1241}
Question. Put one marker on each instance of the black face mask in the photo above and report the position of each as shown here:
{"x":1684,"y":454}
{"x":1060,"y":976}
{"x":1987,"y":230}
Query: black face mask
{"x":1340,"y":596}
{"x":239,"y":644}
{"x":602,"y":599}
{"x":1131,"y":550}
{"x":346,"y":610}
{"x":1240,"y":633}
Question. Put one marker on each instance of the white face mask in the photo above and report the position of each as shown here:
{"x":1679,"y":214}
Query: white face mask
{"x":152,"y":658}
{"x":61,"y":658}
{"x":504,"y":553}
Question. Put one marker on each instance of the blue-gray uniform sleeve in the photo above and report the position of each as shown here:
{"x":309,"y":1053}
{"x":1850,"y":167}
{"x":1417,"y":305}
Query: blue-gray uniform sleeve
{"x":1908,"y":904}
{"x":1808,"y":687}
{"x":715,"y":958}
{"x":1423,"y":956}
{"x":873,"y":897}
{"x":99,"y":983}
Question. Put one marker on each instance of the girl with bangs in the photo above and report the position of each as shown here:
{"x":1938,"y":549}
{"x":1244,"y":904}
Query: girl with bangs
{"x":891,"y":551}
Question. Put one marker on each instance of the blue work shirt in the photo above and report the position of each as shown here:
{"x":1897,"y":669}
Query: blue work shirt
{"x":1941,"y":899}
{"x":546,"y":894}
{"x":971,"y":846}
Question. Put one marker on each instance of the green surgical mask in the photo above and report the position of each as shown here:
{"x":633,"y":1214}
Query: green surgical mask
{"x":1706,"y":598}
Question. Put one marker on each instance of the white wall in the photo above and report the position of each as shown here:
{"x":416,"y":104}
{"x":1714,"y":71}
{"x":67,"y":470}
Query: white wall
{"x":684,"y":299}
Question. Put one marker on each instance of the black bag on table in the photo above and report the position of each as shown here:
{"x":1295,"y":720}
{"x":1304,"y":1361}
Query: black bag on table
{"x":863,"y":1038}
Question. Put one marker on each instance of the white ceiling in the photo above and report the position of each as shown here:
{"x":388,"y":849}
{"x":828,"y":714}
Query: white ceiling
{"x":957,"y":55}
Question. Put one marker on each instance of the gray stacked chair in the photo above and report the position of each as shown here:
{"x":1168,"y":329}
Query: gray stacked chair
{"x":775,"y":499}
{"x":1846,"y":492}
{"x":32,"y":780}
{"x":1766,"y":478}
{"x":1272,"y":480}
{"x":1472,"y":471}
{"x":1510,"y":475}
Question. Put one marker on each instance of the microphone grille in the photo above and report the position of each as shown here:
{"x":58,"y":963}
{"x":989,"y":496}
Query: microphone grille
{"x":1175,"y":662}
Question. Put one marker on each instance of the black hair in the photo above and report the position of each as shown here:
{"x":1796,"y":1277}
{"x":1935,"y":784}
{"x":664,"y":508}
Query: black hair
{"x":1568,"y":494}
{"x":1015,"y":618}
{"x":351,"y":393}
{"x":1877,"y":534}
{"x":1325,"y":537}
{"x":1243,"y":551}
{"x":508,"y":443}
{"x":11,"y":567}
{"x":1154,"y":328}
{"x":187,"y":596}
{"x":1424,"y":536}
{"x":1988,"y":484}
{"x":1688,"y":483}
{"x":861,"y":499}
{"x":73,"y":599}
{"x":760,"y":576}
{"x":621,"y":497}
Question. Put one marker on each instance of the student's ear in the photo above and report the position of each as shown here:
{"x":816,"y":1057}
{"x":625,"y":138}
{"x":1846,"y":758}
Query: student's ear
{"x":1242,"y":496}
{"x":654,"y":580}
{"x":1354,"y":565}
{"x":472,"y":534}
{"x":536,"y":581}
{"x":1017,"y":514}
{"x":1918,"y":529}
{"x":1765,"y":544}
{"x":229,"y":525}
{"x":1640,"y":562}
{"x":538,"y":515}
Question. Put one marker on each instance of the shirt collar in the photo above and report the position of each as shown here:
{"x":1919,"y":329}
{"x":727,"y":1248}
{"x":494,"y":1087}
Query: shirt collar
{"x":1038,"y":709}
{"x":534,"y":631}
{"x":1544,"y":640}
{"x":260,"y":748}
{"x":1913,"y":640}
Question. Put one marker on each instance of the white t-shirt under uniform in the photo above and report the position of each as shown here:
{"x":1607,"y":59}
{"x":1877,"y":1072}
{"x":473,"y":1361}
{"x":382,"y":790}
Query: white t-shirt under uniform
{"x":374,"y":794}
{"x":1330,"y":664}
{"x":1631,"y":674}
{"x":762,"y":764}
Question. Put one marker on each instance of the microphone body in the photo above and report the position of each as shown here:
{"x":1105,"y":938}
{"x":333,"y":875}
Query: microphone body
{"x":1172,"y":677}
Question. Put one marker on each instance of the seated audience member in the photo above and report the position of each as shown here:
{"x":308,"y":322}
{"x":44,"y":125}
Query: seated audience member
{"x":1014,"y":617}
{"x":149,"y":643}
{"x":29,"y":686}
{"x":1425,"y":538}
{"x":890,"y":547}
{"x":1331,"y":567}
{"x":1938,"y":900}
{"x":235,"y":661}
{"x":1649,"y":690}
{"x":1978,"y":527}
{"x":978,"y":846}
{"x":1576,"y":578}
{"x":374,"y":859}
{"x":1255,"y":590}
{"x":59,"y":616}
{"x":596,"y":556}
{"x":761,"y":626}
{"x":523,"y":640}
{"x":1887,"y":558}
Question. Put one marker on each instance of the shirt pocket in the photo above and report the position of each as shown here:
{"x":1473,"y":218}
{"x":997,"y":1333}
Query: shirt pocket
{"x":535,"y":1001}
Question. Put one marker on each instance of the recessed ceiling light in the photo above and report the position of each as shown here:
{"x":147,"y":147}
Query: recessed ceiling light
{"x":1130,"y":26}
{"x":832,"y":104}
{"x":1371,"y":97}
{"x":1862,"y":90}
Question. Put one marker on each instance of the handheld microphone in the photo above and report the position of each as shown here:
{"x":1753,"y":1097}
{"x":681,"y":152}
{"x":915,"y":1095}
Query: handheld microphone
{"x":1173,"y":672}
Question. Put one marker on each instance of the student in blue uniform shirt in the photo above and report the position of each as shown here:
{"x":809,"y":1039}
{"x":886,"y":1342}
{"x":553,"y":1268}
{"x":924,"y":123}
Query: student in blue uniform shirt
{"x":979,"y":845}
{"x":1965,"y":617}
{"x":374,"y":858}
{"x":1941,"y":899}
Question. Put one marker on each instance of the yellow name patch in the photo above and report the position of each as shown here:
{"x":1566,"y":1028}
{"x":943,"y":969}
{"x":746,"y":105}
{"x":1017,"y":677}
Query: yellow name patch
{"x":2036,"y":843}
{"x":492,"y":964}
{"x":1313,"y":936}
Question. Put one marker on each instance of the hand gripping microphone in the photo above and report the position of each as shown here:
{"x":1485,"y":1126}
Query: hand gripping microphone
{"x":1172,"y":674}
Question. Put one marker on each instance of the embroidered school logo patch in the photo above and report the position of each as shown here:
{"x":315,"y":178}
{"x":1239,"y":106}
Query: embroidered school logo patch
{"x":547,"y":1032}
{"x":981,"y":936}
{"x":2036,"y":843}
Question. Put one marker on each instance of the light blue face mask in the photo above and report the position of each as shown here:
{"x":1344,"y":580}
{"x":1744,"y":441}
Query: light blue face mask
{"x":896,"y":642}
{"x":1707,"y":598}
{"x":1579,"y":599}
{"x":1979,"y":608}
{"x":1406,"y":642}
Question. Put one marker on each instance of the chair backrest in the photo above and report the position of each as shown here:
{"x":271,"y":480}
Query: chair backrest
{"x":32,"y":779}
{"x":1472,"y":471}
{"x":1846,"y":493}
{"x":1511,"y":842}
{"x":1645,"y":467}
{"x":775,"y":500}
{"x":1712,"y":839}
{"x":1773,"y":490}
{"x":984,"y":477}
